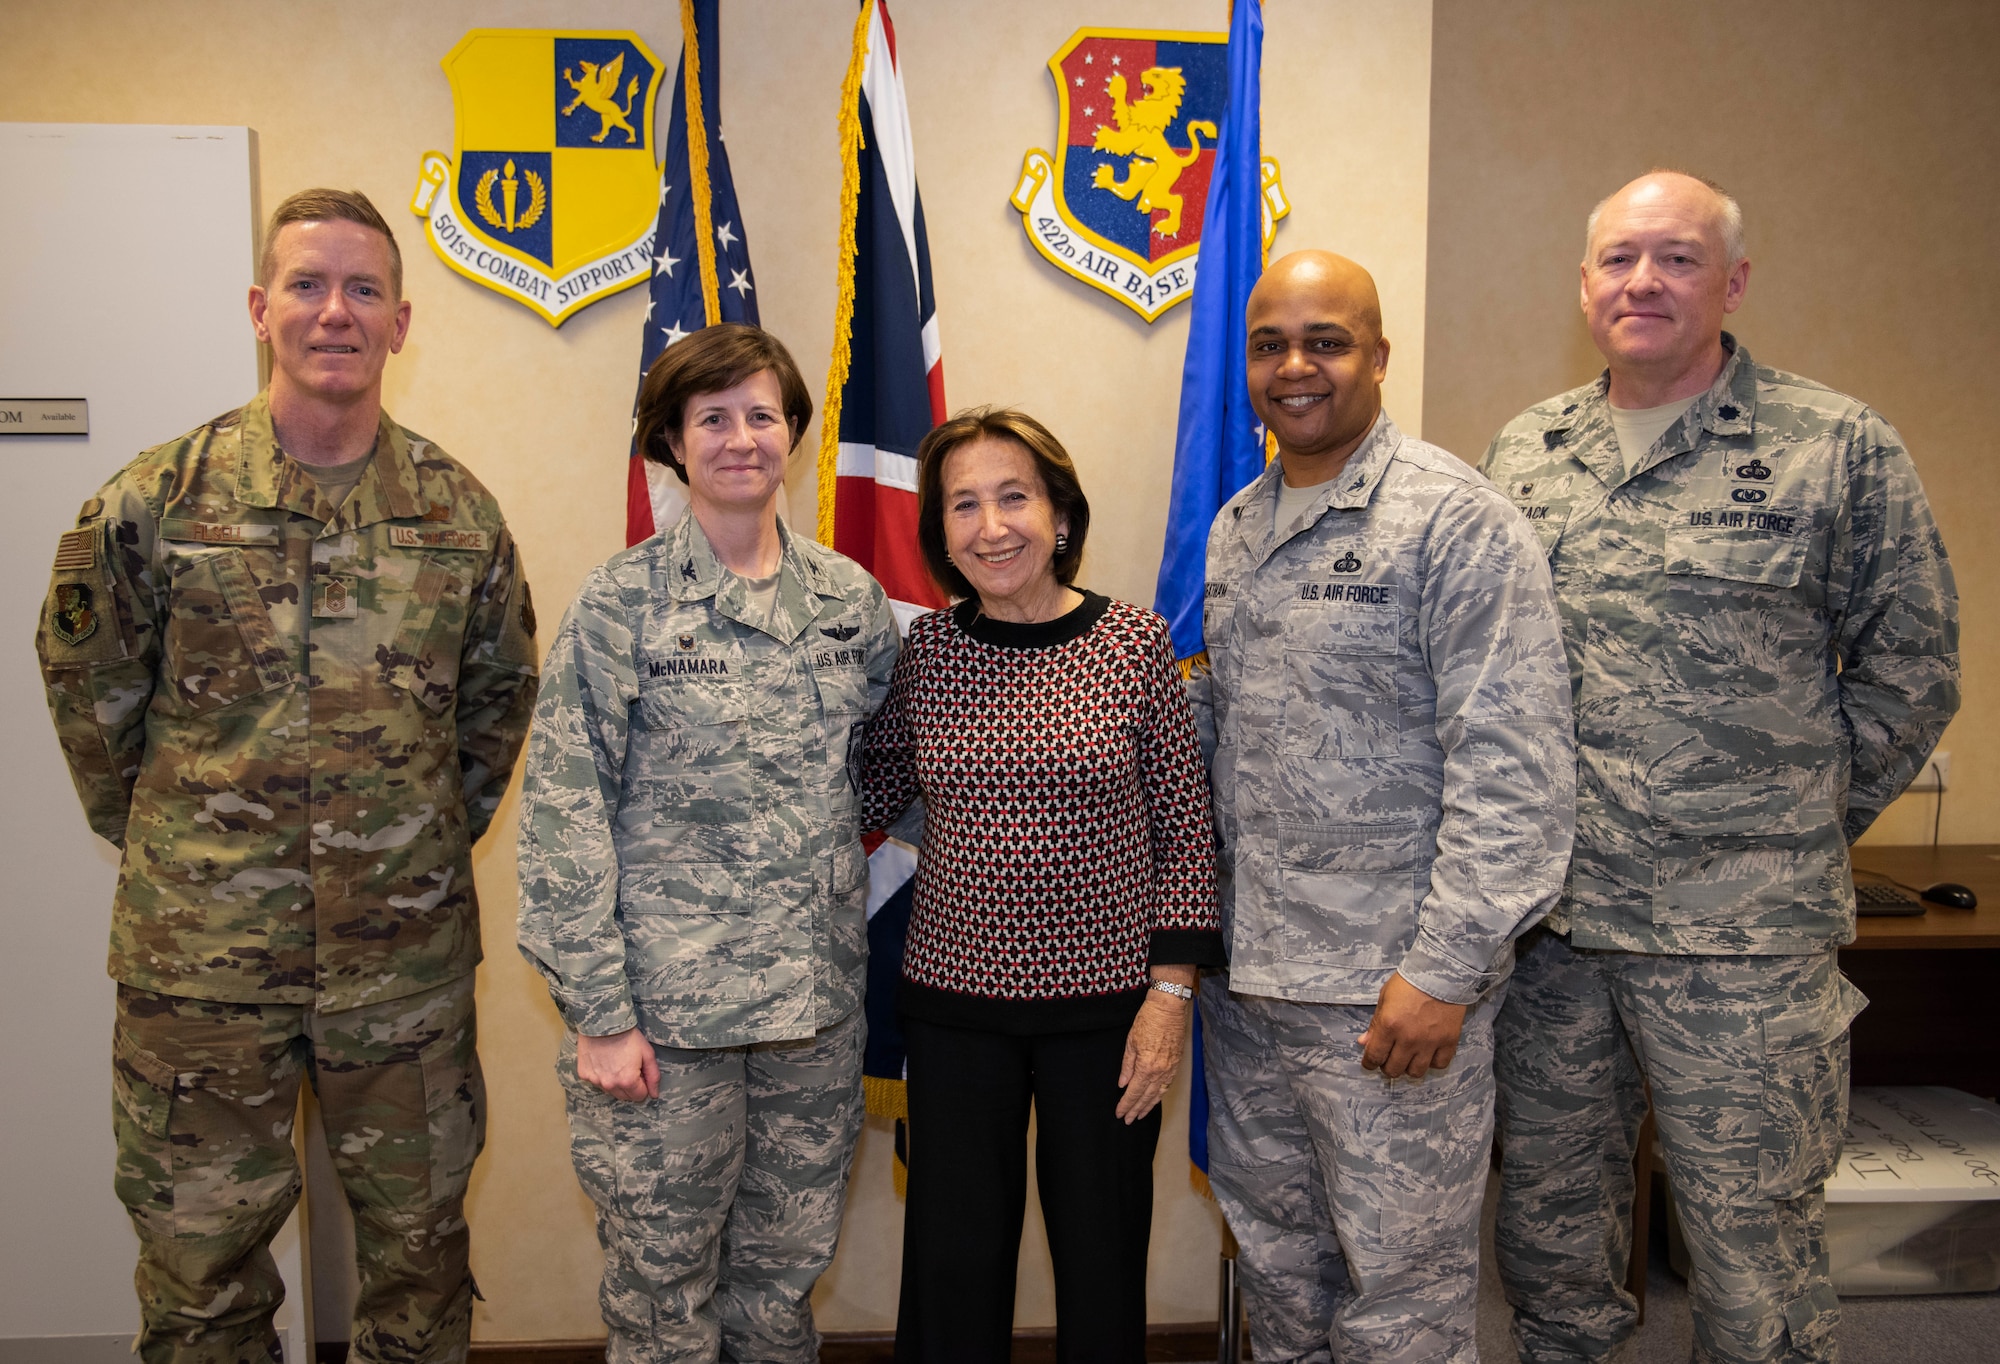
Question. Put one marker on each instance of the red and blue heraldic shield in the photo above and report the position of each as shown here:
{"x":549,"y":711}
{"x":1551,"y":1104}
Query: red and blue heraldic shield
{"x":1122,"y":203}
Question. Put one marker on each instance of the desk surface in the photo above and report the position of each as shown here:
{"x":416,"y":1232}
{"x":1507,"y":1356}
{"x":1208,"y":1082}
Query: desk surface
{"x":1975,"y":865}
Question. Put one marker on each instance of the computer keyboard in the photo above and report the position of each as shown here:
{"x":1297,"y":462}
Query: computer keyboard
{"x":1876,"y":897}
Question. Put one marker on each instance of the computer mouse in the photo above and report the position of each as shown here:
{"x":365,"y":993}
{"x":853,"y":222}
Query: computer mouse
{"x":1951,"y":895}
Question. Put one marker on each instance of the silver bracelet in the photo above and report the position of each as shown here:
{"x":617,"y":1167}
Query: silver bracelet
{"x":1180,"y":992}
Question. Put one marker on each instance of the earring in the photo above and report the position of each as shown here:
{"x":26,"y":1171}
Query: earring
{"x":948,"y":559}
{"x":1062,"y":541}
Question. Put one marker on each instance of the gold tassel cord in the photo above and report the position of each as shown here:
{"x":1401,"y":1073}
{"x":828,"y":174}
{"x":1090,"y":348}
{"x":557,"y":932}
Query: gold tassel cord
{"x":697,"y":135}
{"x":843,"y":312}
{"x":885,"y":1098}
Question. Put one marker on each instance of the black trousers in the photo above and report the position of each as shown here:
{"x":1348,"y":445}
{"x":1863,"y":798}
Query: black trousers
{"x":970,"y":1093}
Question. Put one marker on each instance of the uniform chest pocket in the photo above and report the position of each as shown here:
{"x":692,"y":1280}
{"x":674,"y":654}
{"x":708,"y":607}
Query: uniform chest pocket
{"x":219,"y":643}
{"x":1340,"y":680}
{"x":690,"y":753}
{"x":424,"y":656}
{"x":843,"y":703}
{"x":1767,"y":550}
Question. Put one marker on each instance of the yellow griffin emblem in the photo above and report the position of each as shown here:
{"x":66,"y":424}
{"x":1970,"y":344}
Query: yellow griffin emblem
{"x":1142,"y":135}
{"x":598,"y":92}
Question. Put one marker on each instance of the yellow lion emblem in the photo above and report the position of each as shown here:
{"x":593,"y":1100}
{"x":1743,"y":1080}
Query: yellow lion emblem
{"x":598,"y":92}
{"x":1142,"y":135}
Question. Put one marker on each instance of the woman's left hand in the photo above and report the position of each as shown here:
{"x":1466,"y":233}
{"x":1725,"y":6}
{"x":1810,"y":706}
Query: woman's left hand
{"x":1153,"y":1049}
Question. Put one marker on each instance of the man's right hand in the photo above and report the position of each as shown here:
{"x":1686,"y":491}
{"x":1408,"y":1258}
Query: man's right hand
{"x":622,"y":1065}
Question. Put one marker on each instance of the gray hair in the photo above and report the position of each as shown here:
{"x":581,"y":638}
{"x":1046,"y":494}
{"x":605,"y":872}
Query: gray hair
{"x":1730,"y":212}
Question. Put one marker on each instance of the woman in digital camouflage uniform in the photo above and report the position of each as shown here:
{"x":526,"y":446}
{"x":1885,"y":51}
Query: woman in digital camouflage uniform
{"x":692,"y":877}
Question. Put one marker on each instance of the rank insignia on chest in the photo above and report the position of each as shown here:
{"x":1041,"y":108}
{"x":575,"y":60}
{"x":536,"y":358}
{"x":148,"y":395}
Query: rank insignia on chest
{"x":333,"y":598}
{"x":555,"y":189}
{"x":1121,"y":203}
{"x":73,"y":619}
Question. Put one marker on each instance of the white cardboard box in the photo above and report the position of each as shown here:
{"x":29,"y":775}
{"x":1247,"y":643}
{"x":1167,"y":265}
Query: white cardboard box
{"x":1914,"y":1206}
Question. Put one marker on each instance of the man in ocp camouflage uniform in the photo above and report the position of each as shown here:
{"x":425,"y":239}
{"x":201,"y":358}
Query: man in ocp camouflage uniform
{"x":1763,"y":646}
{"x":1392,"y":764}
{"x":290,"y":658}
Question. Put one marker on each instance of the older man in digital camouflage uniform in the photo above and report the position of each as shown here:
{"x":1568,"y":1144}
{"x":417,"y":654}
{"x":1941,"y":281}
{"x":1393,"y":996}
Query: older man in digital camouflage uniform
{"x":1392,"y":768}
{"x":1763,"y":646}
{"x":290,"y":658}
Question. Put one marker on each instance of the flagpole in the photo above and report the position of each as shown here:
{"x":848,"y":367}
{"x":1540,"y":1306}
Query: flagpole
{"x":697,"y":146}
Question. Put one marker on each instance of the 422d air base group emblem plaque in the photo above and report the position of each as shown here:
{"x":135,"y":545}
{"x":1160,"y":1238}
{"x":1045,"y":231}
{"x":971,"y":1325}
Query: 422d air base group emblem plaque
{"x":1121,"y":204}
{"x":555,"y":189}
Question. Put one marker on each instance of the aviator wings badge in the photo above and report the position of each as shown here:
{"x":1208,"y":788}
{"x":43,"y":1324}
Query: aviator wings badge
{"x":1121,"y":204}
{"x":555,"y":190}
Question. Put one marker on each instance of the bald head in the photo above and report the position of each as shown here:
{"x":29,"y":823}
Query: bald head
{"x":1316,"y":360}
{"x":1335,"y":281}
{"x":1690,"y":195}
{"x":1662,"y":270}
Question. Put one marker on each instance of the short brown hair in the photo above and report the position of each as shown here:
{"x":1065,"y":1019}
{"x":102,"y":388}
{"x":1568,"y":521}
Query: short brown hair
{"x":709,"y":361}
{"x":326,"y":205}
{"x":1051,"y":461}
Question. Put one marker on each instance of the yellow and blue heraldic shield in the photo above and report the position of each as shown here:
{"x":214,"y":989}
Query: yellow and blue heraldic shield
{"x":552,"y":188}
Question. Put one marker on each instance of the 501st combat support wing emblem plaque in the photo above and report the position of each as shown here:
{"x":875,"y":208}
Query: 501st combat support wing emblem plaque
{"x":1121,"y":204}
{"x":556,"y":186}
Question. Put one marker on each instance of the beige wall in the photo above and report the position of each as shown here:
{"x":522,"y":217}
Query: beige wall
{"x":1863,"y":141}
{"x":351,"y":94}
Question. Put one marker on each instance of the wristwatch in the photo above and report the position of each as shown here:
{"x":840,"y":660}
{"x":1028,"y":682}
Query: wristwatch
{"x":1180,"y":992}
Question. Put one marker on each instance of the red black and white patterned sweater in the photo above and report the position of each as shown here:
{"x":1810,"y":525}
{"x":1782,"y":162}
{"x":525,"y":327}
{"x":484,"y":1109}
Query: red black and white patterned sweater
{"x":1067,"y":840}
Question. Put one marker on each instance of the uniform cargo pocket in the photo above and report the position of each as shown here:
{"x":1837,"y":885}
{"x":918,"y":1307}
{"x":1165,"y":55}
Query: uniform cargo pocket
{"x":1351,"y":847}
{"x":454,"y":1111}
{"x":1805,"y":1089}
{"x":1427,"y":1186}
{"x":1340,"y":681}
{"x":142,"y":1088}
{"x":1350,"y":893}
{"x":850,"y":869}
{"x":682,"y":888}
{"x":220,"y":646}
{"x":1731,"y":854}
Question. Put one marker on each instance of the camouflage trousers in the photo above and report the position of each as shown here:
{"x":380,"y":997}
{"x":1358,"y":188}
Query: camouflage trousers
{"x":1746,"y":1059}
{"x":719,"y":1202}
{"x":206,"y":1095}
{"x":1354,"y":1199}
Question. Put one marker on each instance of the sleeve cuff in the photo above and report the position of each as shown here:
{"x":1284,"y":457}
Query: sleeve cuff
{"x":1187,"y":947}
{"x":598,"y":1014}
{"x":1444,"y":977}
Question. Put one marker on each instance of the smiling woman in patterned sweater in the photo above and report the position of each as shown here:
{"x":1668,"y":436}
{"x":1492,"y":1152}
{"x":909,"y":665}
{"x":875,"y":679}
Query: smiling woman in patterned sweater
{"x":1064,"y":901}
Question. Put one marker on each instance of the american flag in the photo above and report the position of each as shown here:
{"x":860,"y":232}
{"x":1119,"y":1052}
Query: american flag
{"x":701,"y":255}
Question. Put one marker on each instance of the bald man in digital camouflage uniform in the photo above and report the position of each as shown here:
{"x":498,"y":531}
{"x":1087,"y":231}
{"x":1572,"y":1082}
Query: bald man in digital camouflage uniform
{"x":1763,"y":646}
{"x":1389,"y":722}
